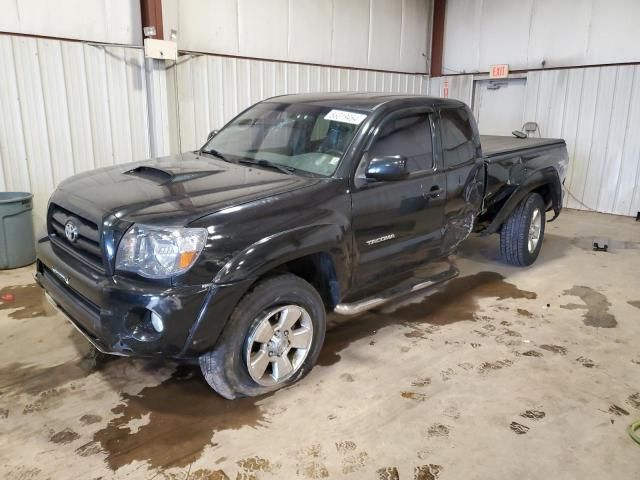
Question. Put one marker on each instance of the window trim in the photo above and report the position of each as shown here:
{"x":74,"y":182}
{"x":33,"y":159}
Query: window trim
{"x":446,"y":167}
{"x":405,"y":112}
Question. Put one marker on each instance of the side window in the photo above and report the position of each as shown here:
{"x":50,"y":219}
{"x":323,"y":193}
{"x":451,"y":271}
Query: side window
{"x":457,"y":137}
{"x":408,"y":136}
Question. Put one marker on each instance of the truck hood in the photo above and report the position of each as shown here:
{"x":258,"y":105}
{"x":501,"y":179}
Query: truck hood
{"x":171,"y":190}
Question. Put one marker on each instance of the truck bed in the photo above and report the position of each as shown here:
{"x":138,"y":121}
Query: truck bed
{"x":493,"y":145}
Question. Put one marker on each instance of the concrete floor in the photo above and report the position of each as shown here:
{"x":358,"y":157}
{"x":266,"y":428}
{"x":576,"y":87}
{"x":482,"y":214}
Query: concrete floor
{"x":505,"y":373}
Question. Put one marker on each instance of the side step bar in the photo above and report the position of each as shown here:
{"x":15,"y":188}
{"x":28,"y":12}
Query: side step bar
{"x":405,"y":288}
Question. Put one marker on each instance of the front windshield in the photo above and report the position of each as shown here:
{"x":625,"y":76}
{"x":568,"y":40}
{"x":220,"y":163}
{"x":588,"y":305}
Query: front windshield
{"x":307,"y":138}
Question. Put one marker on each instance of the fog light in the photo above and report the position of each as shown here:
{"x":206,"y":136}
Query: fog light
{"x":144,"y":325}
{"x":156,"y":321}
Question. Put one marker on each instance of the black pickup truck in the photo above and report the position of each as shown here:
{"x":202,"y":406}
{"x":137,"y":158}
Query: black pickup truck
{"x":301,"y":205}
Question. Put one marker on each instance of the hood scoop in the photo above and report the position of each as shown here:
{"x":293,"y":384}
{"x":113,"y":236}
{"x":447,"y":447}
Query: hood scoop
{"x":165,"y":177}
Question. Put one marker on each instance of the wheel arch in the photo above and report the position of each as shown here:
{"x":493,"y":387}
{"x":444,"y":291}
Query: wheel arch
{"x":545,"y":182}
{"x":318,"y":254}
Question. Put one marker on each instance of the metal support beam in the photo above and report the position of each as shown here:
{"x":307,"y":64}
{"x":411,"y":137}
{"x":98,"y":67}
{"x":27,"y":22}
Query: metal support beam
{"x":437,"y":37}
{"x":151,"y":13}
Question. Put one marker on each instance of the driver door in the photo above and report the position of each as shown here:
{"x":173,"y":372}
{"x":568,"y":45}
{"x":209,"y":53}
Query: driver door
{"x":397,"y":225}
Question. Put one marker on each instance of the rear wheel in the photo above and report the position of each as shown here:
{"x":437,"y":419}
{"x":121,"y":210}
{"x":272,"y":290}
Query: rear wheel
{"x":522,"y":234}
{"x":273,"y":339}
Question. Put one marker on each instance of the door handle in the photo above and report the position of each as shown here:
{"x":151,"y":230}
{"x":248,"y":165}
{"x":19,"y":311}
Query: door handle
{"x":434,"y":192}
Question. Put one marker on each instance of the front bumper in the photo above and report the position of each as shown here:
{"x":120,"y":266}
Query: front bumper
{"x":105,"y":309}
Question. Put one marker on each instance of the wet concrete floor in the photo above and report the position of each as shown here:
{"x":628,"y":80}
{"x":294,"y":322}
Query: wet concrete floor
{"x":502,"y":372}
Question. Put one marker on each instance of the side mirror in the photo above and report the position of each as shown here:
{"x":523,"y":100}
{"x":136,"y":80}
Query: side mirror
{"x":212,"y":134}
{"x":387,"y":169}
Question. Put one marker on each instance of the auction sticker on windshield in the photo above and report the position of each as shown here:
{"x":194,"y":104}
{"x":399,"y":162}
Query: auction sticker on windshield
{"x":345,"y":117}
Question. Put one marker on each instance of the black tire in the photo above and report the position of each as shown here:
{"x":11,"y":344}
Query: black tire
{"x":225,"y":367}
{"x":514,"y":235}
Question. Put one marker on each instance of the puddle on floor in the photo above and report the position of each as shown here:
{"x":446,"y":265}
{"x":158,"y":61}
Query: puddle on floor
{"x":17,"y":379}
{"x":596,"y":306}
{"x":27,"y":301}
{"x":170,"y":424}
{"x":456,"y":301}
{"x":184,"y":414}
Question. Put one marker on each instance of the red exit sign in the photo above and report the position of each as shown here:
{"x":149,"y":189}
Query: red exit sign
{"x":499,"y":71}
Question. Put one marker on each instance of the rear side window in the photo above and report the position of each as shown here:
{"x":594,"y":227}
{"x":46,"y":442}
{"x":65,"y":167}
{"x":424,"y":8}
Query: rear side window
{"x":457,"y":137}
{"x":409,"y":136}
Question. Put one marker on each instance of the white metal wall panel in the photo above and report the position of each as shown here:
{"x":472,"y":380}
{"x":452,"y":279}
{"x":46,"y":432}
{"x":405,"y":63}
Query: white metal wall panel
{"x":162,"y":125}
{"x":67,"y":107}
{"x":559,"y":32}
{"x":459,"y":87}
{"x":461,"y":45}
{"x":33,"y":118}
{"x":526,"y":33}
{"x":213,"y":89}
{"x":627,"y":196}
{"x":614,"y":35}
{"x":309,"y":35}
{"x":384,"y":46}
{"x":415,"y":40}
{"x":15,"y":170}
{"x":205,"y":25}
{"x":257,"y":36}
{"x":377,"y":34}
{"x":79,"y":110}
{"x":351,"y":27}
{"x":109,"y":21}
{"x":504,"y":41}
{"x":594,"y":110}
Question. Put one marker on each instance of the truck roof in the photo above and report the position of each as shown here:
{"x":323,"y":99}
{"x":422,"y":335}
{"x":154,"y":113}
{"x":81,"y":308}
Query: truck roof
{"x":362,"y":101}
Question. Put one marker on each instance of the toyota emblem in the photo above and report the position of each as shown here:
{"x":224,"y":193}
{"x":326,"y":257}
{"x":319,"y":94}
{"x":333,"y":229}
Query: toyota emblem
{"x":71,"y":231}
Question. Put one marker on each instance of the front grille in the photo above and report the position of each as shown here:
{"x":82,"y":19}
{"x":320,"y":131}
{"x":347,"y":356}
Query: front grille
{"x":86,"y":247}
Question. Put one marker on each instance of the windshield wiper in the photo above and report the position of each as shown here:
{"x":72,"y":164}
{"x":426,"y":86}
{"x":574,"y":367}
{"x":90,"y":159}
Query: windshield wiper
{"x":266,"y":163}
{"x":216,"y":154}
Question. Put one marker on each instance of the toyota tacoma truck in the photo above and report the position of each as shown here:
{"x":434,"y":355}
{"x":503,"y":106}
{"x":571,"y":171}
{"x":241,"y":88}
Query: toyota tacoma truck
{"x":232,"y":255}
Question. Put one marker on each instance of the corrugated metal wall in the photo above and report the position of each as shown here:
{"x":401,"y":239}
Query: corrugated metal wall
{"x":459,"y":87}
{"x":376,"y":34}
{"x":529,"y":34}
{"x":106,"y":21}
{"x":213,"y":89}
{"x":596,"y":110}
{"x":66,"y":107}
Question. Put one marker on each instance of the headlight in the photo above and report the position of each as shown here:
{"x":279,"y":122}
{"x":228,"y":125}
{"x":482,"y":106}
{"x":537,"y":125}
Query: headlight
{"x":159,"y":252}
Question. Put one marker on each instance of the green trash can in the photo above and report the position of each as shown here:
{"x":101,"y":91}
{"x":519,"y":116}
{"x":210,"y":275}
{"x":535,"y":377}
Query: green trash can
{"x":17,"y":242}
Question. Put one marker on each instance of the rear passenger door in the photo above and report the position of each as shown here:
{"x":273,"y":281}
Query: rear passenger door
{"x":463,"y":168}
{"x":398,"y":224}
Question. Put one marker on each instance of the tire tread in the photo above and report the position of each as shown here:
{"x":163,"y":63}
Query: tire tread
{"x":220,"y":367}
{"x":515,"y":231}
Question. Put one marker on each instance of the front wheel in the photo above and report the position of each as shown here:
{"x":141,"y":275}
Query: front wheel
{"x":273,"y":339}
{"x":521,"y":235}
